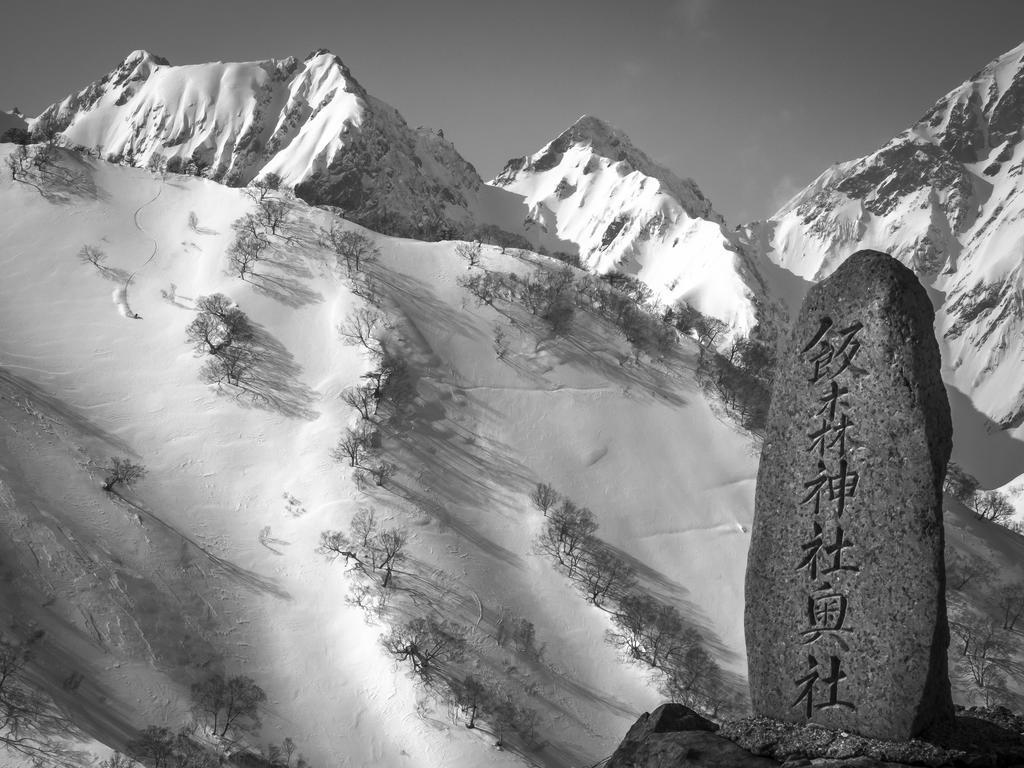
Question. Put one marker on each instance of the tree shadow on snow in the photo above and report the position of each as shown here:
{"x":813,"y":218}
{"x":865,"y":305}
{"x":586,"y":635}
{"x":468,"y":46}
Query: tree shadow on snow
{"x":416,"y":297}
{"x":582,"y":348}
{"x":285,"y":289}
{"x":660,"y":586}
{"x":272,"y":379}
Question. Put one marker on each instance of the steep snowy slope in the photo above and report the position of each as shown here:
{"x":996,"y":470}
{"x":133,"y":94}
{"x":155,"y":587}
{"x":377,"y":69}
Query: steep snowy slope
{"x":214,"y":566}
{"x":309,"y":122}
{"x":591,"y":186}
{"x":945,"y":198}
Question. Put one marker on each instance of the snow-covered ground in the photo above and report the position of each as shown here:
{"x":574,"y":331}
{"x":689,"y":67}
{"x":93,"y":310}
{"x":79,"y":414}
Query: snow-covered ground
{"x":210,"y":563}
{"x":190,"y":579}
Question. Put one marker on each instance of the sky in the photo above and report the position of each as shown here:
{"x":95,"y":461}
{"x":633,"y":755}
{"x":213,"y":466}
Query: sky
{"x":750,"y":98}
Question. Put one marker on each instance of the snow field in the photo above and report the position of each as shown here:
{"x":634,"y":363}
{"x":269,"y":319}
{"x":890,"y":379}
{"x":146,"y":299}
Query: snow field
{"x":251,"y":487}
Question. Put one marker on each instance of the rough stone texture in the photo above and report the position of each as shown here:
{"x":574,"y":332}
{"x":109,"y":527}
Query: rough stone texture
{"x":676,"y":736}
{"x":845,"y":593}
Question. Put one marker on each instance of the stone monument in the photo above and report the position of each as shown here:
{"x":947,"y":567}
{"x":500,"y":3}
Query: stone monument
{"x":845,"y":590}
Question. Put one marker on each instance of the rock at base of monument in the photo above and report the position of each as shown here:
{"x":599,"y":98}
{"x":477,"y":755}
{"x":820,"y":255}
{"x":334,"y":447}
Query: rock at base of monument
{"x":977,"y":739}
{"x":674,"y":736}
{"x":845,"y":592}
{"x":668,"y":718}
{"x":786,"y":741}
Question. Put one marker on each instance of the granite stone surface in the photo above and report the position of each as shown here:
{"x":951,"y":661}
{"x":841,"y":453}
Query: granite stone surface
{"x":845,"y":589}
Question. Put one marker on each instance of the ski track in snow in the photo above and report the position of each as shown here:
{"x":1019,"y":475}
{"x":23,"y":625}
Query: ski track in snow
{"x":120,"y":294}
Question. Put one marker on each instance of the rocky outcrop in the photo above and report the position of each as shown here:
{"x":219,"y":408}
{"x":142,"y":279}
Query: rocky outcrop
{"x":676,"y":737}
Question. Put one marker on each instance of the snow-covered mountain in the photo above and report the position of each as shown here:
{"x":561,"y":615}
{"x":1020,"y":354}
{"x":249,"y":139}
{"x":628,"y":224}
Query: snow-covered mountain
{"x":591,"y":186}
{"x":590,"y":191}
{"x":309,"y":122}
{"x":945,"y":198}
{"x":239,"y":489}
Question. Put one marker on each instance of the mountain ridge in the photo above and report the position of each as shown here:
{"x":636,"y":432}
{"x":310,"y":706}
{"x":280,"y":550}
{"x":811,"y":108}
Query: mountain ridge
{"x":944,"y":197}
{"x":592,"y":186}
{"x":311,"y":123}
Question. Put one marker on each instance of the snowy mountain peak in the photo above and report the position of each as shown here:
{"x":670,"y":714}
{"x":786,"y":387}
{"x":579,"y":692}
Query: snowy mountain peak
{"x":603,"y":141}
{"x":311,"y":123}
{"x":944,"y":197}
{"x":140,"y":57}
{"x":593,"y":187}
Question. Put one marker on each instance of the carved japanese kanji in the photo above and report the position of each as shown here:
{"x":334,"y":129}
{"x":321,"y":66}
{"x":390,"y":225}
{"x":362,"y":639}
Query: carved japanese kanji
{"x":849,"y":496}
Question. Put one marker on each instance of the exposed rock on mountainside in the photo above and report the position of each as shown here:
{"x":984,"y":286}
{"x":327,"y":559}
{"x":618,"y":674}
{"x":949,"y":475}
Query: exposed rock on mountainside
{"x":944,"y":198}
{"x":309,"y":122}
{"x":593,"y":187}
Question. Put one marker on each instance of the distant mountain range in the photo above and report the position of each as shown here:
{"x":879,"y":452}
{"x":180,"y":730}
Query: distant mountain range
{"x":941,"y":196}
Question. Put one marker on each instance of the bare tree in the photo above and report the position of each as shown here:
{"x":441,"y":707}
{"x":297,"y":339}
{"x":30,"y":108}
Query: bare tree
{"x":373,"y":549}
{"x":603,"y":574}
{"x":220,"y":324}
{"x":568,"y":531}
{"x":207,"y":334}
{"x":382,"y":472}
{"x":225,"y":310}
{"x":259,"y":189}
{"x":360,"y":327}
{"x":273,"y":214}
{"x":231,"y":364}
{"x":245,"y":252}
{"x":363,"y":399}
{"x":282,"y":756}
{"x":633,"y":617}
{"x":984,"y":660}
{"x":353,"y":249}
{"x":470,"y":252}
{"x":994,"y":506}
{"x":118,"y":760}
{"x":19,"y":163}
{"x":335,"y":544}
{"x":472,"y":697}
{"x":122,"y":471}
{"x":390,"y":547}
{"x":425,"y":643}
{"x":694,"y":678}
{"x":1010,"y":599}
{"x":544,"y":497}
{"x":708,"y":330}
{"x":153,"y":746}
{"x":228,"y":704}
{"x":962,"y":569}
{"x":26,"y":716}
{"x":364,"y":529}
{"x":350,"y":445}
